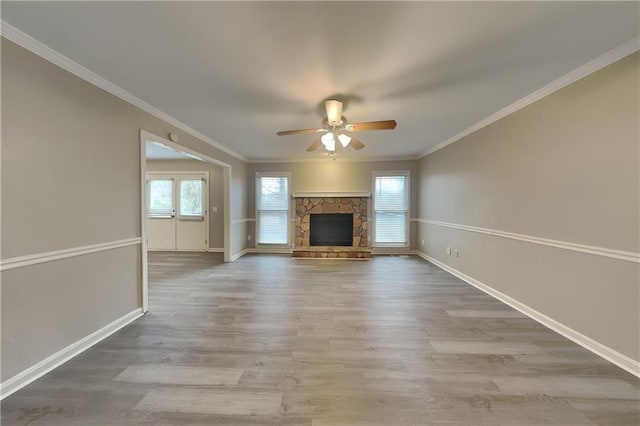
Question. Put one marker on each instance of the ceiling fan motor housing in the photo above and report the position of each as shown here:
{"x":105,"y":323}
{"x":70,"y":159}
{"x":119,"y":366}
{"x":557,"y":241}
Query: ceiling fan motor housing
{"x":342,"y":125}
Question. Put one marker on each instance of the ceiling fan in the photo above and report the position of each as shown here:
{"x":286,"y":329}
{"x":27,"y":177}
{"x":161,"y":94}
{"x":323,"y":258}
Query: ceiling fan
{"x":335,"y":126}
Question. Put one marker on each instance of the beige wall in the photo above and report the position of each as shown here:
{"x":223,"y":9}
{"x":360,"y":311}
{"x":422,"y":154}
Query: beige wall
{"x":71,"y":177}
{"x":216,"y":219}
{"x":565,"y":168}
{"x":335,"y":176}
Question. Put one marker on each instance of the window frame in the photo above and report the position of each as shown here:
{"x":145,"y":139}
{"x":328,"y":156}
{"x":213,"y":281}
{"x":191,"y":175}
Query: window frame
{"x":260,"y":175}
{"x":389,"y":173}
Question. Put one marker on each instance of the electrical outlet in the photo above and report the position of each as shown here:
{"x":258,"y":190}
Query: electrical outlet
{"x":248,"y":237}
{"x":214,"y":209}
{"x":456,"y":253}
{"x":449,"y":251}
{"x":423,"y":242}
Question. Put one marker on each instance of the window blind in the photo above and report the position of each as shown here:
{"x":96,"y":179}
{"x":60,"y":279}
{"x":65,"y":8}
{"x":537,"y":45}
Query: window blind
{"x":391,"y":206}
{"x":273,"y":209}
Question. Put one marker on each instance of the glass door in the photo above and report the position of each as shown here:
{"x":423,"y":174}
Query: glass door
{"x":177,"y":216}
{"x":191,"y":225}
{"x":161,"y":212}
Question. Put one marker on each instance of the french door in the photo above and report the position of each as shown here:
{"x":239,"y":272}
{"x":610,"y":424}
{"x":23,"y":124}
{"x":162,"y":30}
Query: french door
{"x":177,"y":213}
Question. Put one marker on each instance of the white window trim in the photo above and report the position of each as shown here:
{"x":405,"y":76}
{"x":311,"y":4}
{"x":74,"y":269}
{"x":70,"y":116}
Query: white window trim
{"x":289,"y":208}
{"x":372,"y":216}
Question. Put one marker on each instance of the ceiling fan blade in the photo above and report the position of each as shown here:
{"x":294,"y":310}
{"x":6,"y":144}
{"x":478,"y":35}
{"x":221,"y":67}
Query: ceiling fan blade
{"x":299,"y":131}
{"x":334,"y":111}
{"x":372,"y":125}
{"x":356,"y":144}
{"x":315,"y":145}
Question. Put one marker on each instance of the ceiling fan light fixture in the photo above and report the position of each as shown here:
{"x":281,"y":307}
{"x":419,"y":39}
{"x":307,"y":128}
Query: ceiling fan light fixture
{"x":334,"y":124}
{"x":328,"y":141}
{"x":344,"y":139}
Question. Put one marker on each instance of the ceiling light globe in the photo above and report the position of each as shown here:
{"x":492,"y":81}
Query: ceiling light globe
{"x":344,"y":139}
{"x":329,"y":142}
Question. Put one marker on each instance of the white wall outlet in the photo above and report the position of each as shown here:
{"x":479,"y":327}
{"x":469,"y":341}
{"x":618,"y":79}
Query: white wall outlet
{"x":449,"y":251}
{"x":214,"y":209}
{"x":423,"y":242}
{"x":456,"y":253}
{"x":248,"y":237}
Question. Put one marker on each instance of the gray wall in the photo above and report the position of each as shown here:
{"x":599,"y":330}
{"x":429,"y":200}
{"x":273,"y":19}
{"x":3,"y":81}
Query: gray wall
{"x":216,"y":219}
{"x":564,"y":168}
{"x":335,"y":176}
{"x":71,"y":177}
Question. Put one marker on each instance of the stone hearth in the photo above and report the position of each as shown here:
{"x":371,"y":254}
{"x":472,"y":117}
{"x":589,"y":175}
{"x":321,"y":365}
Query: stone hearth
{"x":332,"y":252}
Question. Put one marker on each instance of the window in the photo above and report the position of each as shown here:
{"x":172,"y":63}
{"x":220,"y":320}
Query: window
{"x":160,"y":198}
{"x":272,"y":201}
{"x":391,"y":209}
{"x":191,"y":198}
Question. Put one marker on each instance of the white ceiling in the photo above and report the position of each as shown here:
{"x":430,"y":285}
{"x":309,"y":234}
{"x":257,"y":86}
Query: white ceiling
{"x":239,"y":72}
{"x":159,"y":151}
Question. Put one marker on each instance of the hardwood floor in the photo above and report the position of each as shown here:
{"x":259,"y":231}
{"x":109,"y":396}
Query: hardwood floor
{"x":269,"y":340}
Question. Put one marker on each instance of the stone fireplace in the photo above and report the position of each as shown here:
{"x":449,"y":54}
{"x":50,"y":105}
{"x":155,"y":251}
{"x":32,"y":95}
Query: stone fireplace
{"x":306,"y":206}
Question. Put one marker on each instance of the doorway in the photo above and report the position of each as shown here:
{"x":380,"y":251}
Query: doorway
{"x":188,"y":219}
{"x":177,"y":211}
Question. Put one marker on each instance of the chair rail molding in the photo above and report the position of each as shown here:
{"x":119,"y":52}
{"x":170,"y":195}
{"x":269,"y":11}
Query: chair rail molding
{"x":243,"y":220}
{"x":627,"y":256}
{"x":34,"y":259}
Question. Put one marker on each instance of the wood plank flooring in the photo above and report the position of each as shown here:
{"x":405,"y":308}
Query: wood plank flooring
{"x":269,"y":340}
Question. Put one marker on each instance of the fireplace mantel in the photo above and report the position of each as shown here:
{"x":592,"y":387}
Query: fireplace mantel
{"x":356,"y":194}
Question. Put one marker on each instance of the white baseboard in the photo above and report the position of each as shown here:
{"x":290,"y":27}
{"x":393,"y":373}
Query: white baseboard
{"x":270,"y":250}
{"x":392,"y":251}
{"x":182,"y":250}
{"x":239,"y":254}
{"x":38,"y":370}
{"x":215,"y":249}
{"x":611,"y":355}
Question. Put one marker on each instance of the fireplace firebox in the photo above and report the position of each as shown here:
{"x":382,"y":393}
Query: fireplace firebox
{"x":331,"y":229}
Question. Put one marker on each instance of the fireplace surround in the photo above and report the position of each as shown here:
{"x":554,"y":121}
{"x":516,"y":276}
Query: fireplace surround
{"x":308,"y":205}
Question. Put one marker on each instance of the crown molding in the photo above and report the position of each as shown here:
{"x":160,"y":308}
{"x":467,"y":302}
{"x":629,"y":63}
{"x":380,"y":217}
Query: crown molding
{"x":34,"y":46}
{"x":326,"y":158}
{"x":608,"y":58}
